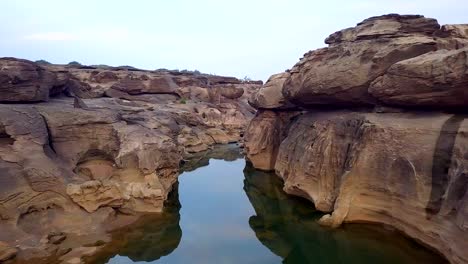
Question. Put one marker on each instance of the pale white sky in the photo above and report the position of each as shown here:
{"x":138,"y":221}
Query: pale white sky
{"x":238,"y":38}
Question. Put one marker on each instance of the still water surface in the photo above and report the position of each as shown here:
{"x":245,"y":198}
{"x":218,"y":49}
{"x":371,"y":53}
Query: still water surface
{"x":231,"y":213}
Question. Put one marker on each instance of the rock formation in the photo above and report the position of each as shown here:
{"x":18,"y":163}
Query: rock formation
{"x":372,"y":128}
{"x":85,"y":150}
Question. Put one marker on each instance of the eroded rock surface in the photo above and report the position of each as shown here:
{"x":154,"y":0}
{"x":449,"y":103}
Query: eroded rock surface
{"x":264,"y":135}
{"x":383,"y":134}
{"x":342,"y":73}
{"x":436,"y":79}
{"x":22,"y":80}
{"x":87,"y":150}
{"x":270,"y":96}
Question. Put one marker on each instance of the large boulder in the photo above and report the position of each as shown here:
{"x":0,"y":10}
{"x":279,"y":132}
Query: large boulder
{"x":24,"y":81}
{"x":162,"y":84}
{"x":231,"y":92}
{"x":270,"y":95}
{"x":437,"y":79}
{"x":391,"y":26}
{"x":341,"y":74}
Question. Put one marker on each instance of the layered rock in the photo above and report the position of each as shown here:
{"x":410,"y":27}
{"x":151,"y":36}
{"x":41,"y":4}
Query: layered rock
{"x":379,"y":158}
{"x":87,"y":150}
{"x":361,"y":54}
{"x":22,"y":80}
{"x":436,"y":79}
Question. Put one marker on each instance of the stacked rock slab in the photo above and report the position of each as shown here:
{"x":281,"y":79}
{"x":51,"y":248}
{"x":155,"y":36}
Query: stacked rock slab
{"x":86,"y":150}
{"x":382,"y":132}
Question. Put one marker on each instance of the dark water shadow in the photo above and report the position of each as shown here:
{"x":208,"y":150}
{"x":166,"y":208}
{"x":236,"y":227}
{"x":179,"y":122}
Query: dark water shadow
{"x":150,"y":238}
{"x":288,"y":227}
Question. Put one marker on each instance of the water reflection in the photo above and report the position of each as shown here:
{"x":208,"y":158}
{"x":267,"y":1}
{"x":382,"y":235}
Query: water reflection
{"x":150,"y":238}
{"x":228,"y":152}
{"x":232,"y":213}
{"x":287,"y":226}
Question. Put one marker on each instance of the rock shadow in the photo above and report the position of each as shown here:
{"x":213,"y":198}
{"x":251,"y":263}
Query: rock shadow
{"x":441,"y":162}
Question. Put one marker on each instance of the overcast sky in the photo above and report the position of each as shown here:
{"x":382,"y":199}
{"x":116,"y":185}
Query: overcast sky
{"x":239,"y":38}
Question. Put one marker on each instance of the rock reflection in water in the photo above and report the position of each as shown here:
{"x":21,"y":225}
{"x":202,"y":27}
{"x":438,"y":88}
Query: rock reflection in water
{"x":228,"y":152}
{"x":149,"y":239}
{"x":287,"y":226}
{"x":216,"y":227}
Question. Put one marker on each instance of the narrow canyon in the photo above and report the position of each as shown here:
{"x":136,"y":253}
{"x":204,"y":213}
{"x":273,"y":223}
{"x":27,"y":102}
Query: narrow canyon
{"x":370,"y":129}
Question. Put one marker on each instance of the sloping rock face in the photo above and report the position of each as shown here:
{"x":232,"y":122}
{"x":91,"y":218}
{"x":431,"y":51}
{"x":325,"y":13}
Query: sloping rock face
{"x":85,"y":151}
{"x":362,"y":149}
{"x":435,"y":79}
{"x":264,"y":135}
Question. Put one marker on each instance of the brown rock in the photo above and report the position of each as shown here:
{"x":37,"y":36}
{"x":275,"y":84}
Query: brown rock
{"x":454,"y":30}
{"x":436,"y":79}
{"x":162,"y":84}
{"x":7,"y":252}
{"x":56,"y":237}
{"x":93,"y":194}
{"x":69,"y":164}
{"x":105,"y":77}
{"x":404,"y":170}
{"x":342,"y":73}
{"x":24,"y":81}
{"x":386,"y":26}
{"x":130,"y":86}
{"x":270,"y":96}
{"x":264,"y":135}
{"x":231,"y":92}
{"x":396,"y":167}
{"x":318,"y":145}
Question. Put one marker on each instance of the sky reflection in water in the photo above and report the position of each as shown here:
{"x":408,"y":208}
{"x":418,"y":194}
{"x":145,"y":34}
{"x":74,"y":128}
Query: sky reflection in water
{"x":231,"y":213}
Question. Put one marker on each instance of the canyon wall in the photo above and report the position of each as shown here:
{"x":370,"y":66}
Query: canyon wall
{"x":84,"y":150}
{"x":372,"y":129}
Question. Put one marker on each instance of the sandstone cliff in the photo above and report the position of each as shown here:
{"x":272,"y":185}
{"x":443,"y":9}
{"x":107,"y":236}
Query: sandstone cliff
{"x":84,"y":150}
{"x":372,"y":128}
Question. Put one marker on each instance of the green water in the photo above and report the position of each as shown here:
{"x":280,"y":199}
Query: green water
{"x":227,"y":212}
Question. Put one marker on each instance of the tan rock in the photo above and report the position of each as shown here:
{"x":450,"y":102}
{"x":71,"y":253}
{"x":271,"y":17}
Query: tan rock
{"x":386,"y":26}
{"x":94,"y":194}
{"x":7,"y":252}
{"x":264,"y":135}
{"x":342,"y":73}
{"x":115,"y":154}
{"x":231,"y":92}
{"x":24,"y":81}
{"x":396,"y":169}
{"x":436,"y":79}
{"x":270,"y":96}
